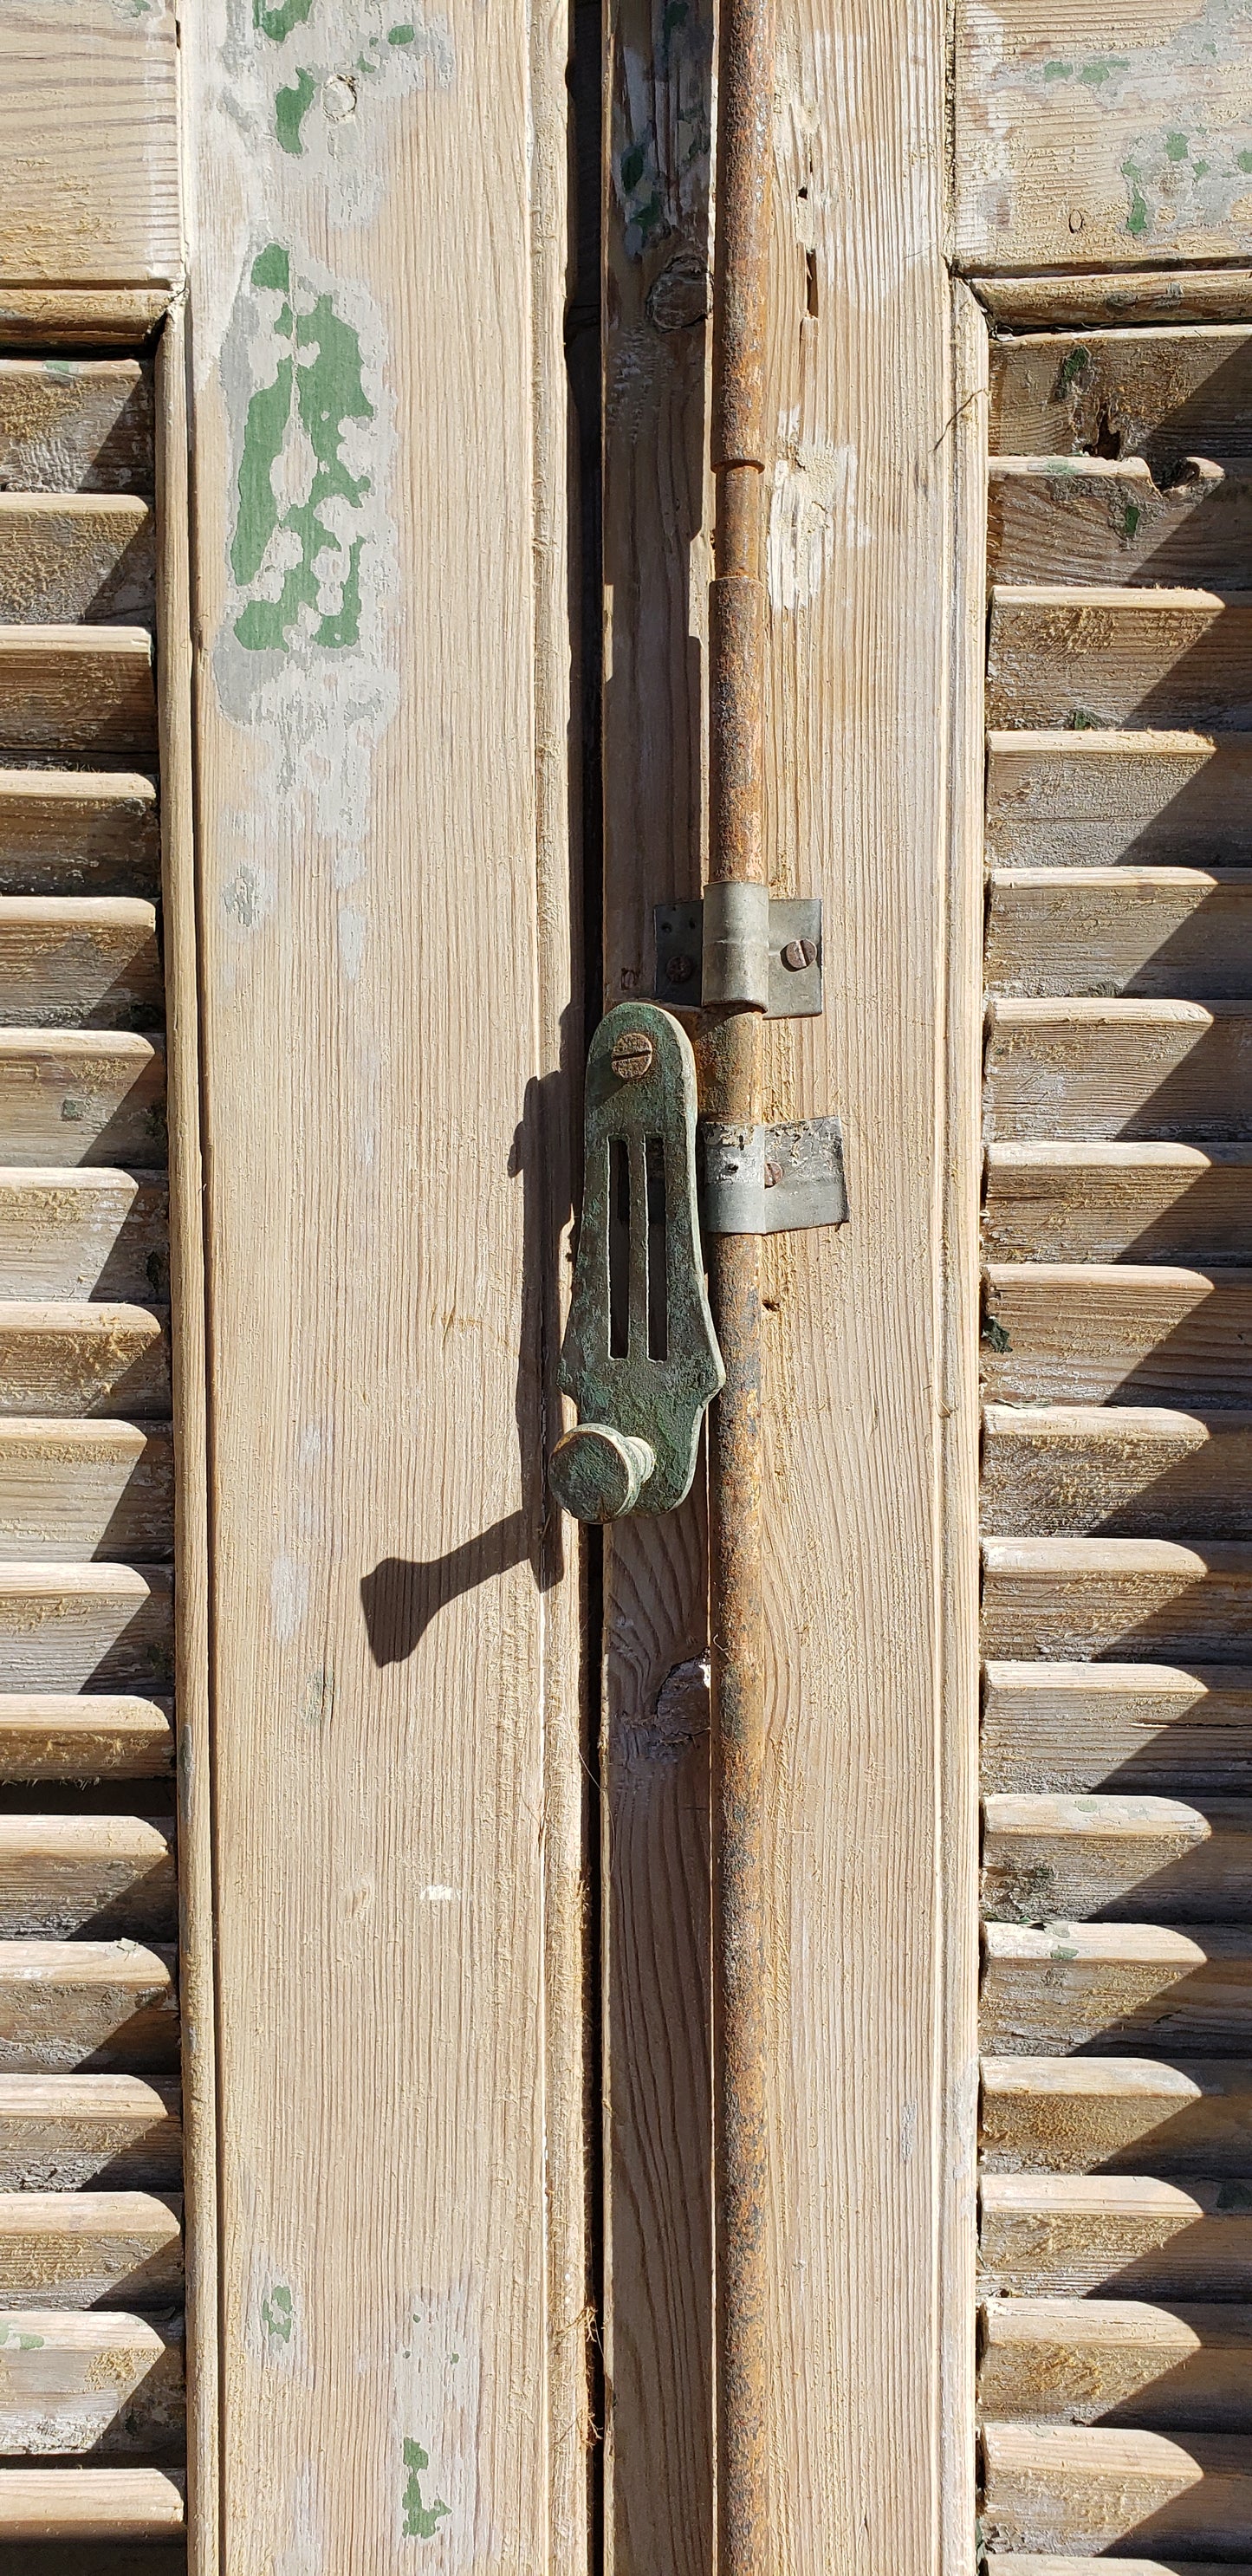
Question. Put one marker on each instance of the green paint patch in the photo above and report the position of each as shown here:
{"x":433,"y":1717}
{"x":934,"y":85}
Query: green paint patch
{"x":1073,"y":370}
{"x":1058,"y":71}
{"x":1131,"y":515}
{"x":314,"y":400}
{"x":277,"y":22}
{"x":291,"y":106}
{"x":1244,"y":160}
{"x":421,"y":2521}
{"x":61,"y":370}
{"x":995,"y":1334}
{"x":1102,"y":68}
{"x":1200,"y":169}
{"x":404,"y":34}
{"x":1176,"y":147}
{"x":1081,"y":720}
{"x":278,"y":2313}
{"x":24,"y":2342}
{"x":1137,"y":219}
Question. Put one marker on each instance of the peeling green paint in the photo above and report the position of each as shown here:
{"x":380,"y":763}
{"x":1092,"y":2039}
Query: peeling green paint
{"x":1244,"y":160}
{"x":291,"y":106}
{"x":306,"y":403}
{"x":278,"y":2313}
{"x":1080,"y":720}
{"x":421,"y":2521}
{"x":1131,"y":515}
{"x":1137,"y":219}
{"x":25,"y":2342}
{"x":1096,"y":72}
{"x":1176,"y":147}
{"x":1072,"y":372}
{"x":277,"y":22}
{"x":405,"y":34}
{"x":1058,"y":71}
{"x":995,"y":1334}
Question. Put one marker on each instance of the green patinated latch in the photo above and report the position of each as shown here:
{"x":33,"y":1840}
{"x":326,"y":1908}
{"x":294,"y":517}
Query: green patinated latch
{"x":640,"y":1356}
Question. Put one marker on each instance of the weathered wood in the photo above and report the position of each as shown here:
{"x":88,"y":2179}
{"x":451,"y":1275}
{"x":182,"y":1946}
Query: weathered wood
{"x":1074,"y":2235}
{"x":310,"y":748}
{"x":1083,"y":1331}
{"x":1163,"y":394}
{"x":1094,"y":798}
{"x":59,"y":1358}
{"x":1134,"y":1727}
{"x":1028,"y":2563}
{"x":1089,"y":1069}
{"x":77,"y":688}
{"x":67,"y":1627}
{"x":75,"y":425}
{"x":1115,"y":2115}
{"x":105,"y":1876}
{"x":1108,"y":1201}
{"x":77,"y":1097}
{"x":91,"y":557}
{"x":79,"y":961}
{"x":1130,"y":1860}
{"x":68,"y":2132}
{"x":78,"y":832}
{"x":1107,"y":521}
{"x":80,"y":317}
{"x":67,"y":2249}
{"x":1111,"y":2361}
{"x":87,"y":2005}
{"x":1075,"y":301}
{"x":1065,"y":656}
{"x":1076,"y":1985}
{"x":72,"y":1488}
{"x":89,"y":2504}
{"x":89,"y":147}
{"x":72,"y":1234}
{"x":1123,"y":1471}
{"x":1090,"y":2490}
{"x":104,"y":2382}
{"x":1177,"y":931}
{"x":1117,"y":1597}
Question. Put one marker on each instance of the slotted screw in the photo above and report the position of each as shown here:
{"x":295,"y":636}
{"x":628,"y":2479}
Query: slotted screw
{"x":798,"y":953}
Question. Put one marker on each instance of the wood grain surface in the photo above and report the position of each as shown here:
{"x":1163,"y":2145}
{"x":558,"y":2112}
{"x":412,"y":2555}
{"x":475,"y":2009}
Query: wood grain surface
{"x":385,"y":853}
{"x":89,"y":145}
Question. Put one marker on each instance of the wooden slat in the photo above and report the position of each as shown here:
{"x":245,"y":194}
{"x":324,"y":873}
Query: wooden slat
{"x":87,"y":557}
{"x":1068,"y":2486}
{"x":1182,"y":932}
{"x":74,"y":1627}
{"x":1161,"y":393}
{"x":89,"y":151}
{"x":1131,"y":1860}
{"x":106,"y":1876}
{"x":79,"y":961}
{"x":74,"y":1234}
{"x":1123,"y":1470}
{"x":1029,"y":2563}
{"x":1117,"y":1597}
{"x":1133,"y":1727}
{"x":76,"y":1489}
{"x":1078,"y":302}
{"x":1107,"y":521}
{"x":1184,"y":2115}
{"x":68,"y":2132}
{"x":1079,"y":1985}
{"x":76,"y":425}
{"x":88,"y":2249}
{"x":59,"y":1358}
{"x":89,"y":2504}
{"x":1058,"y":656}
{"x":1109,"y":1201}
{"x":75,"y":1096}
{"x":80,"y":317}
{"x":88,"y":2005}
{"x":1111,"y":2361}
{"x":1096,"y":798}
{"x":1087,"y":1331}
{"x":77,"y":688}
{"x":78,"y":832}
{"x":1075,"y":2235}
{"x":102,"y":2382}
{"x":1088,"y":1069}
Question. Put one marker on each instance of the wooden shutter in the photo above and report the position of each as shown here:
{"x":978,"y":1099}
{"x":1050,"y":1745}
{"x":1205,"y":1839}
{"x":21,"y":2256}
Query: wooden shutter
{"x":1116,"y":2366}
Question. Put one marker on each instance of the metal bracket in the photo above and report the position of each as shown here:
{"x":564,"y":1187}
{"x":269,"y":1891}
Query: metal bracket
{"x":794,"y":965}
{"x":772,"y":1180}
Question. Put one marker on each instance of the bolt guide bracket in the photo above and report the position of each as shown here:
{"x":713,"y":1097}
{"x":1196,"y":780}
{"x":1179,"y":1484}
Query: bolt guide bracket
{"x":771,"y":961}
{"x":640,"y":1356}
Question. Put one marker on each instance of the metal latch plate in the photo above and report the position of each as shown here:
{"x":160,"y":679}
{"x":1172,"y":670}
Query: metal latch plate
{"x":795,"y":992}
{"x":772,"y":1180}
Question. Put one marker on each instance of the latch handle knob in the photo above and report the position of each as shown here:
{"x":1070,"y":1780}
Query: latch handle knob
{"x":640,"y":1356}
{"x":598,"y":1473}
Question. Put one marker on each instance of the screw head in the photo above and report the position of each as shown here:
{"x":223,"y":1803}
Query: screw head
{"x":680,"y":970}
{"x":632,"y":1055}
{"x":798,"y":953}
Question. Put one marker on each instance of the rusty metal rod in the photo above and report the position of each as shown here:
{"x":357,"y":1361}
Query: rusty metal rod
{"x":730,"y":1054}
